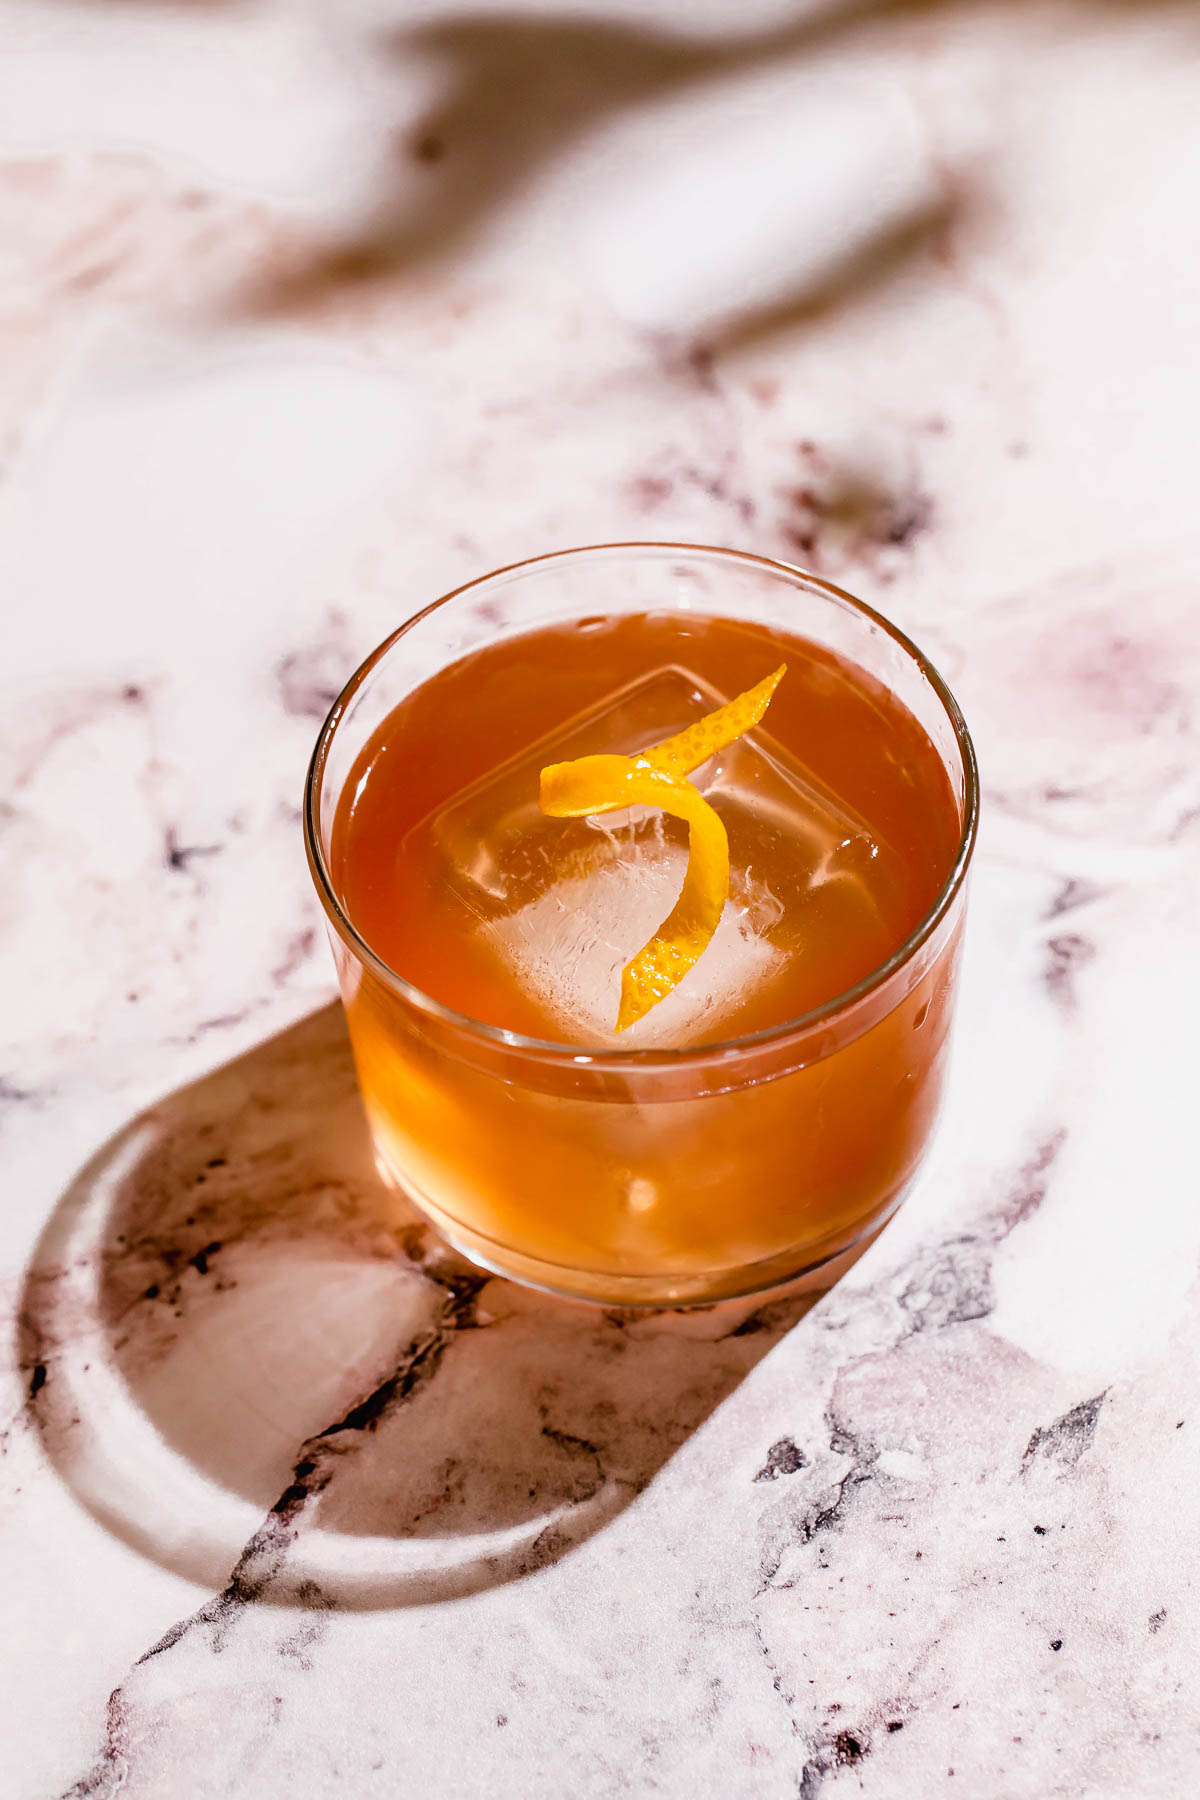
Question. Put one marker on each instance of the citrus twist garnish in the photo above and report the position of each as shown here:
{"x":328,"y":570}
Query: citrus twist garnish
{"x":658,"y":777}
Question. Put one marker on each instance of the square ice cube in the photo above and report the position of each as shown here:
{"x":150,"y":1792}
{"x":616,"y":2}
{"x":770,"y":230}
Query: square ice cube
{"x":566,"y":902}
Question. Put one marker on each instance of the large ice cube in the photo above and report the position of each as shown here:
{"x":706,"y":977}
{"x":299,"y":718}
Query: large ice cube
{"x":566,"y":903}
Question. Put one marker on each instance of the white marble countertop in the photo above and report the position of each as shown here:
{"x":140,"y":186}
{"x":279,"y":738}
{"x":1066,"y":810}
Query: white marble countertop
{"x":307,"y":313}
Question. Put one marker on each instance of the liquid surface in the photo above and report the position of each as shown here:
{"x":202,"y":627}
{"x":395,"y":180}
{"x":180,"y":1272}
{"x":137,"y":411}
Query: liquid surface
{"x":842,"y":831}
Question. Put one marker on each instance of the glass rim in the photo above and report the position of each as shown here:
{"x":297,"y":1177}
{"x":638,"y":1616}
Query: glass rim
{"x":682,"y":1056}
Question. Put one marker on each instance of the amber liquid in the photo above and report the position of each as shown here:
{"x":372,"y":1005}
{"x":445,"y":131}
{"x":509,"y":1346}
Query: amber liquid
{"x":843,"y":831}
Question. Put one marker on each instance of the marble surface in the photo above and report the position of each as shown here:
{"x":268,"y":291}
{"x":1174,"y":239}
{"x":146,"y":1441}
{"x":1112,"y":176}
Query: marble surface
{"x":307,"y":313}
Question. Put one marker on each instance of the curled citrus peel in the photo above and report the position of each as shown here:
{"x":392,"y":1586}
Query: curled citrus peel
{"x":658,"y":777}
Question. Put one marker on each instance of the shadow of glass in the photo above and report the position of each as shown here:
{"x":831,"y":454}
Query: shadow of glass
{"x":244,"y":1353}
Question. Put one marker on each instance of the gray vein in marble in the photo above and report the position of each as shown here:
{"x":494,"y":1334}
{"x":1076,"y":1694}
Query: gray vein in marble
{"x":1065,"y":1440}
{"x":263,"y":1559}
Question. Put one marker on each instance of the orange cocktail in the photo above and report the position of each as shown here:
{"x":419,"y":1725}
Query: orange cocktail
{"x":769,"y":1110}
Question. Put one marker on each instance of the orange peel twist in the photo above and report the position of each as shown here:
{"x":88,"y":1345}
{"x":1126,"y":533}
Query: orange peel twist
{"x":658,"y":777}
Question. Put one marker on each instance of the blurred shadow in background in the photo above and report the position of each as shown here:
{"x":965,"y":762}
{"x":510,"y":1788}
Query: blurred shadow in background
{"x":519,"y":90}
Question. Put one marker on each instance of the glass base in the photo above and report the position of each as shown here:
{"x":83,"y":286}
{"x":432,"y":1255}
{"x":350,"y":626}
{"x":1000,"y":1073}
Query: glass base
{"x":798,"y":1269}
